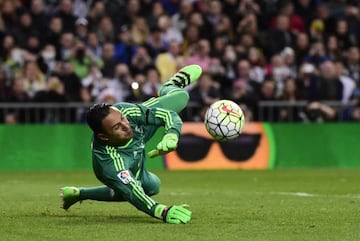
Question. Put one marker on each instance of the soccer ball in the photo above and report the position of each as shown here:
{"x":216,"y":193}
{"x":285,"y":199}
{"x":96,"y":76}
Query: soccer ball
{"x":224,"y":120}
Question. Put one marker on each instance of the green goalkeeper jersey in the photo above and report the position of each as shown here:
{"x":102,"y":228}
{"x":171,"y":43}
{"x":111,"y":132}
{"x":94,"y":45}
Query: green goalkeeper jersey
{"x":122,"y":167}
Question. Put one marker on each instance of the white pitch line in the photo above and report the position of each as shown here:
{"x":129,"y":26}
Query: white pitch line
{"x":305,"y":194}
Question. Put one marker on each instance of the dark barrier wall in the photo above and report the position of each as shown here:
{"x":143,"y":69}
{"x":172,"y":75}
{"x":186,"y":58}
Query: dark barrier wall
{"x":261,"y":146}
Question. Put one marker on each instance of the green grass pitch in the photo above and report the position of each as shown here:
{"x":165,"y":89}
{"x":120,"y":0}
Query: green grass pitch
{"x":281,"y":205}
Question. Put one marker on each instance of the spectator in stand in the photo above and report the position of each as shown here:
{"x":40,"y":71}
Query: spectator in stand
{"x":229,"y":60}
{"x":65,"y":12}
{"x":67,"y":45}
{"x":239,"y":94}
{"x":157,"y":10}
{"x":168,"y":62}
{"x":248,"y":6}
{"x":308,"y":82}
{"x":54,"y":93}
{"x":268,"y":93}
{"x":53,"y":35}
{"x":123,"y":81}
{"x":124,"y":46}
{"x":348,"y":84}
{"x":93,"y":82}
{"x":345,"y":38}
{"x":279,"y":37}
{"x":214,"y":13}
{"x":141,"y":61}
{"x":352,"y":17}
{"x":301,"y":47}
{"x":39,"y":17}
{"x":93,"y":45}
{"x":81,"y":29}
{"x":200,"y":55}
{"x":218,"y":47}
{"x":139,"y":30}
{"x":24,"y":29}
{"x":317,"y":54}
{"x":323,"y":14}
{"x":180,"y":19}
{"x":80,"y":60}
{"x":8,"y":13}
{"x":257,"y":62}
{"x":305,"y":9}
{"x":191,"y":37}
{"x":3,"y":85}
{"x":330,"y":86}
{"x":7,"y":51}
{"x":152,"y":84}
{"x":33,"y":79}
{"x":352,"y":63}
{"x":47,"y":59}
{"x":108,"y":60}
{"x":204,"y":93}
{"x":296,"y":23}
{"x":155,"y":44}
{"x":197,"y":19}
{"x":332,"y":49}
{"x":106,"y":31}
{"x":17,"y":94}
{"x":224,"y":29}
{"x":97,"y":11}
{"x":280,"y":72}
{"x":290,"y":60}
{"x":248,"y":25}
{"x":290,"y":94}
{"x":245,"y":42}
{"x":169,"y":33}
{"x":243,"y":73}
{"x":71,"y":82}
{"x":33,"y":45}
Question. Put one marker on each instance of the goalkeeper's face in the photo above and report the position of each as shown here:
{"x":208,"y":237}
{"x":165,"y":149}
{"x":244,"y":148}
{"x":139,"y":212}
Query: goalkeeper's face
{"x":116,"y":128}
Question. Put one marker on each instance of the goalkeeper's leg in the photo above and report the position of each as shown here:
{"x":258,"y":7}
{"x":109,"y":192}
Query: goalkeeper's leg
{"x":172,"y":95}
{"x":71,"y":195}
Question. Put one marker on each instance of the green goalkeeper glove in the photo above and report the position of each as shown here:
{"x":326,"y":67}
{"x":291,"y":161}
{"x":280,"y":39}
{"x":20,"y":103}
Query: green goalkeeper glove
{"x":167,"y":144}
{"x":174,"y":214}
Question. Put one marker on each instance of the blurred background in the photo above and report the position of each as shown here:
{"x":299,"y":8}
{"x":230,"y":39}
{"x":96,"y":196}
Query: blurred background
{"x":281,"y":60}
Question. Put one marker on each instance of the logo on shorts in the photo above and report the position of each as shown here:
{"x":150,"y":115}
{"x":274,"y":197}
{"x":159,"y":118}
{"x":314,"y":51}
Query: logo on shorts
{"x":125,"y":177}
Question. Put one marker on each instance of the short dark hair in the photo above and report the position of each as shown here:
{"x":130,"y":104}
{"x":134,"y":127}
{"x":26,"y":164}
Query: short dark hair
{"x":95,"y":115}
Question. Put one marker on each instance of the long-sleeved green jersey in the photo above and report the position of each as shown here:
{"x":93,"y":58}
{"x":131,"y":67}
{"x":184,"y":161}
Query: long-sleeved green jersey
{"x":122,"y":167}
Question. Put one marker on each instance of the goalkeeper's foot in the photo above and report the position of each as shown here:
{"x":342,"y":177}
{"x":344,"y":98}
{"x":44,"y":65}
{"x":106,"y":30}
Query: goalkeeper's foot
{"x":185,"y":76}
{"x":69,"y":196}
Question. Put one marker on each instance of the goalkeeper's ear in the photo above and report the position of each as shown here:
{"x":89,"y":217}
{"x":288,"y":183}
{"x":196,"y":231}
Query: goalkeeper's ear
{"x":102,"y":136}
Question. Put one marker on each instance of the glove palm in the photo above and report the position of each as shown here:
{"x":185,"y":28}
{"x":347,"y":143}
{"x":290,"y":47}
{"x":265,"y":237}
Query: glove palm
{"x":167,"y":144}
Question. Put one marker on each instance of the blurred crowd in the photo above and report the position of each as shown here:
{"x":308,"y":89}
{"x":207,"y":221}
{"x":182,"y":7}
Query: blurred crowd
{"x":122,"y":50}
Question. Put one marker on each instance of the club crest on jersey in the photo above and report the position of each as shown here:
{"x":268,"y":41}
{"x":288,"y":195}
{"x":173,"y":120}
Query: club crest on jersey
{"x":139,"y":129}
{"x":125,"y":177}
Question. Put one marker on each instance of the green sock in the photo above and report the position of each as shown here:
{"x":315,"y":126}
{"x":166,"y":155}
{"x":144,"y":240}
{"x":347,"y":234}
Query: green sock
{"x":102,"y":193}
{"x":171,"y":98}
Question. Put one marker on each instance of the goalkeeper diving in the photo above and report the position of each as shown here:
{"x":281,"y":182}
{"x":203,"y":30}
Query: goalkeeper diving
{"x":120,"y":132}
